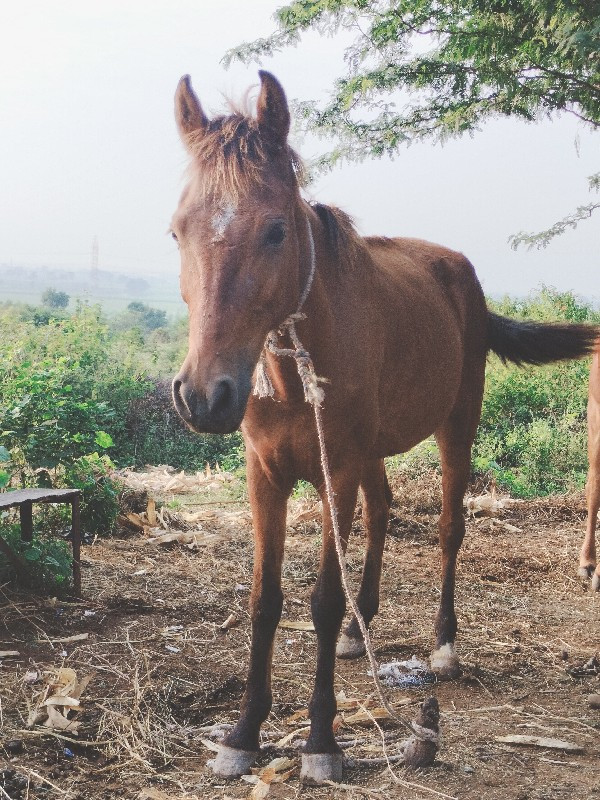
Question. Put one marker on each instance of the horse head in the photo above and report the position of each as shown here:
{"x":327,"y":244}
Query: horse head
{"x":239,"y":235}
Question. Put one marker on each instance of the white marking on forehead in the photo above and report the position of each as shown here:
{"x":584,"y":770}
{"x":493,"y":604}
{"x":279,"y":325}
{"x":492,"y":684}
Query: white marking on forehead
{"x":222,"y":218}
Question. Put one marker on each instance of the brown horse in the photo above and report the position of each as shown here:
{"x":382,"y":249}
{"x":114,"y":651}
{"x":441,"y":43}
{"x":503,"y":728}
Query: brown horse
{"x":588,"y":568}
{"x":399,"y":329}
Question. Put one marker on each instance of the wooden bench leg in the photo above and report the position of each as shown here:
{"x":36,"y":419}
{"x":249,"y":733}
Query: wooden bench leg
{"x":26,"y":515}
{"x":76,"y":542}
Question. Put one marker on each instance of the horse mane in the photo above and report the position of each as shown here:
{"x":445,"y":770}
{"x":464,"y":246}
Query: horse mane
{"x":232,"y":155}
{"x":380,"y":241}
{"x":347,"y":246}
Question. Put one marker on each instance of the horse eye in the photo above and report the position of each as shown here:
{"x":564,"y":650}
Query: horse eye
{"x":275,"y":234}
{"x":174,"y":235}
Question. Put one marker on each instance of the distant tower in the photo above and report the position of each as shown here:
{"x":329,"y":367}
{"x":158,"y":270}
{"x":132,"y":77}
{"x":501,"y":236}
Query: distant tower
{"x":94,"y":260}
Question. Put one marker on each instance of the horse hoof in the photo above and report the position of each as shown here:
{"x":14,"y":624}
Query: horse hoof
{"x":444,"y":662}
{"x":349,"y":647}
{"x":231,"y":762}
{"x":596,"y":582}
{"x":320,"y":767}
{"x":586,"y":570}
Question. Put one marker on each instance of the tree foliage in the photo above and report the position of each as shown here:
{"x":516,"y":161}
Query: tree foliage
{"x":147,"y":318}
{"x":425,"y":69}
{"x":542,"y":238}
{"x":54,"y":299}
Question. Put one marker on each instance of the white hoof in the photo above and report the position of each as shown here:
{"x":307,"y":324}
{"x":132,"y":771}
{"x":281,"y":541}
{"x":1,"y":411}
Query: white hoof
{"x":320,"y":767}
{"x":231,"y":763}
{"x":596,"y":582}
{"x":349,"y":647}
{"x":444,"y":662}
{"x":586,"y":571}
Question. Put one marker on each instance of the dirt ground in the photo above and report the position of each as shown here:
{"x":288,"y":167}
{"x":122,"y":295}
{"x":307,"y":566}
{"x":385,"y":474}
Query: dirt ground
{"x":162,"y":672}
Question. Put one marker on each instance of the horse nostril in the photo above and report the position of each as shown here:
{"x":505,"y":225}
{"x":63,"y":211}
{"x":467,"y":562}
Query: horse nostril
{"x":179,"y":398}
{"x":223,"y":397}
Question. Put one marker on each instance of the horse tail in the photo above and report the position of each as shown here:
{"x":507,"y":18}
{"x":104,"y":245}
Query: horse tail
{"x":539,"y":342}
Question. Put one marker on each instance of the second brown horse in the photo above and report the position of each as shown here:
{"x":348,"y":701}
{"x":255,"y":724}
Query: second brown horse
{"x":398,"y":328}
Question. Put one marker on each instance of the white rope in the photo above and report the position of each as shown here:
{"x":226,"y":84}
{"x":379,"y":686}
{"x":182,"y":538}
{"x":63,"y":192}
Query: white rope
{"x":426,"y":734}
{"x":263,"y":386}
{"x":315,"y":395}
{"x":344,"y":576}
{"x":312,"y":260}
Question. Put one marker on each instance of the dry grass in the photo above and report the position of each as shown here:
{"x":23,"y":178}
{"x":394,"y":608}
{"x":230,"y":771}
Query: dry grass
{"x":163,"y":673}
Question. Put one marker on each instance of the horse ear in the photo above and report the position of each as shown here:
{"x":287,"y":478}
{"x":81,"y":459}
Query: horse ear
{"x":272,"y":110}
{"x":188,"y":112}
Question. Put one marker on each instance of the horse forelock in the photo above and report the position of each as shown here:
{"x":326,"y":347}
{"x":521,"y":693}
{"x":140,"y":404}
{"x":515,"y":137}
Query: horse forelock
{"x":233,"y":158}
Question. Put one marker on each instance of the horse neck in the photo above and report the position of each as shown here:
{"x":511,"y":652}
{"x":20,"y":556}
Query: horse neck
{"x":329,"y":301}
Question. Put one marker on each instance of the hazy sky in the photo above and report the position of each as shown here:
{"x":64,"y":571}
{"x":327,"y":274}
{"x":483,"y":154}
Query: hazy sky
{"x":89,"y":147}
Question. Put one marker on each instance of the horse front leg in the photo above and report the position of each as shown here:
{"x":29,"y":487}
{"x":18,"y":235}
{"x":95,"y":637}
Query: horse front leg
{"x":240,"y":748}
{"x":377,"y":499}
{"x":322,"y":757}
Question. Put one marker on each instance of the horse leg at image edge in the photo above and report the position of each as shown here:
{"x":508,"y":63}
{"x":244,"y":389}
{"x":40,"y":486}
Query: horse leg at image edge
{"x":588,"y":566}
{"x":239,"y":750}
{"x":377,"y":499}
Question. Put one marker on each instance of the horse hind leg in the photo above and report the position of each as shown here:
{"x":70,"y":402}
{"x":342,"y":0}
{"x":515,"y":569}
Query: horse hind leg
{"x":455,"y":439}
{"x":377,"y":499}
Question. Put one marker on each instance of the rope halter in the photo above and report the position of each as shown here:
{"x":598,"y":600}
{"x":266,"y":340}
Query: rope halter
{"x":263,"y":387}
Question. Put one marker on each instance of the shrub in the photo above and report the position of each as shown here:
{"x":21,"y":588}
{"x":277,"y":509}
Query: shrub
{"x":99,"y":504}
{"x":155,"y":434}
{"x":48,"y":560}
{"x":63,"y":395}
{"x":532,"y":435}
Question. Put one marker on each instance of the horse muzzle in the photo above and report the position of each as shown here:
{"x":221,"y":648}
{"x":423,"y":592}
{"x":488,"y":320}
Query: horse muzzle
{"x":219,"y":408}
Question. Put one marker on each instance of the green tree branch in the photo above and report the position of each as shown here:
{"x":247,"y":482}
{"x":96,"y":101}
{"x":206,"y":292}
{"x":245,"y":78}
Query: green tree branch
{"x":421,"y":69}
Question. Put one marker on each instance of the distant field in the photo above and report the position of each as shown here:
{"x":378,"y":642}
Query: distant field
{"x":110,"y":305}
{"x":113,"y":291}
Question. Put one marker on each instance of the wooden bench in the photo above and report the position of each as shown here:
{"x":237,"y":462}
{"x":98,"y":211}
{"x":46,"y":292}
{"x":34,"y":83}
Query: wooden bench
{"x":24,"y":500}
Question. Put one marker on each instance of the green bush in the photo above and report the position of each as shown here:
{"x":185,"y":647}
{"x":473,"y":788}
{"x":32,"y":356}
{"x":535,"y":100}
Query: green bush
{"x":48,"y":560}
{"x":99,"y":503}
{"x":54,"y":299}
{"x":72,"y":390}
{"x":64,"y":388}
{"x":532,"y":435}
{"x":155,"y":434}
